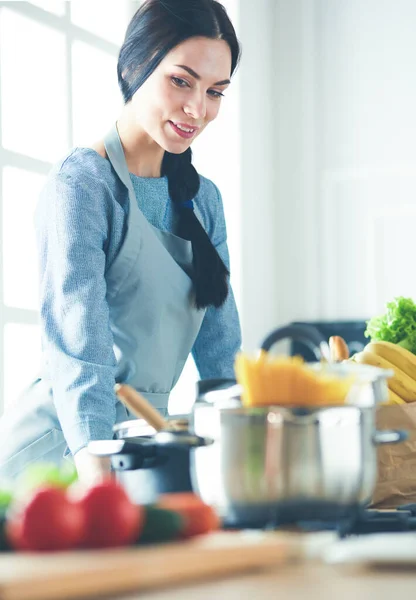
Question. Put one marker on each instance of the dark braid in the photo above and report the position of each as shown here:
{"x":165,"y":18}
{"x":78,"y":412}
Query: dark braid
{"x":156,"y":28}
{"x":210,"y":275}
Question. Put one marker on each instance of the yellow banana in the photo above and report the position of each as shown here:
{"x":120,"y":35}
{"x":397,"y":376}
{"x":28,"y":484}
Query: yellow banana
{"x":394,"y":398}
{"x":403,"y":385}
{"x":398,"y":356}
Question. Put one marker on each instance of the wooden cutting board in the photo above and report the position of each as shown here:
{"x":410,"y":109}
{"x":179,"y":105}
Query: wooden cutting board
{"x":88,"y":574}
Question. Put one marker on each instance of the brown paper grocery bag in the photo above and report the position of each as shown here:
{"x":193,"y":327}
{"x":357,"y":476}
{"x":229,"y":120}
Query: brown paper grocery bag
{"x":396,"y":480}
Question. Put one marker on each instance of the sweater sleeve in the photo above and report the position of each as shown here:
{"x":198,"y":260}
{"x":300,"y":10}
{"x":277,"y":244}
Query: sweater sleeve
{"x":219,"y":338}
{"x":72,"y":230}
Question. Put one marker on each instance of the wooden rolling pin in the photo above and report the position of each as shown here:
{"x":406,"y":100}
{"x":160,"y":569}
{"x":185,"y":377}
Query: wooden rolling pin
{"x":141,"y":408}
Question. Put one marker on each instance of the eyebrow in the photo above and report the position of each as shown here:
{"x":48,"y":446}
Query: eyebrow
{"x":192,"y":72}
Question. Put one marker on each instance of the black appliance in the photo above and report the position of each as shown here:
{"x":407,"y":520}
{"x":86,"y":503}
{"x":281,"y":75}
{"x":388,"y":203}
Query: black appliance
{"x":362,"y":521}
{"x":351,"y":331}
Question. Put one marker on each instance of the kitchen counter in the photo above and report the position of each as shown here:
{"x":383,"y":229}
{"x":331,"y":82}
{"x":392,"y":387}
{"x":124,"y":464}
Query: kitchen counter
{"x":369,"y":567}
{"x":231,"y":566}
{"x":303,"y":581}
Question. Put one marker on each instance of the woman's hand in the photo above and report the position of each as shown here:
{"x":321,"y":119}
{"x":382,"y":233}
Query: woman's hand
{"x":91,"y":469}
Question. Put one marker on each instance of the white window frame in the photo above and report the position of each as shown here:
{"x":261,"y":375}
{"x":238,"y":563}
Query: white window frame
{"x":72,"y":33}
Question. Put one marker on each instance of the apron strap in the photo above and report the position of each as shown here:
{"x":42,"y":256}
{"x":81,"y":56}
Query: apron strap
{"x":115,"y":153}
{"x":179,"y":248}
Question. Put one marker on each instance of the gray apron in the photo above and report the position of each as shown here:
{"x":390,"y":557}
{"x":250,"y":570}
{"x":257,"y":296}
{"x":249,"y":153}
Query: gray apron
{"x":154,"y":324}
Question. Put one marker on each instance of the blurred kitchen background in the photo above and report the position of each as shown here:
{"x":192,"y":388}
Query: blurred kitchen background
{"x":314,"y":152}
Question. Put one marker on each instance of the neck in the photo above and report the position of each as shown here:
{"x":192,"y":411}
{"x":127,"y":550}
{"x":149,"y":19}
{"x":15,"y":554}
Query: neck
{"x":143,"y":155}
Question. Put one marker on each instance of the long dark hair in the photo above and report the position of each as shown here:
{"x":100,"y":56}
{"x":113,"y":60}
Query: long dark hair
{"x":156,"y":28}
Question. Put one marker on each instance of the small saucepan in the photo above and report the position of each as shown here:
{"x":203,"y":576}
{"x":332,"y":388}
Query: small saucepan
{"x":150,"y":455}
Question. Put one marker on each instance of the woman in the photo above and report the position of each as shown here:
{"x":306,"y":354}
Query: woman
{"x":132,"y":245}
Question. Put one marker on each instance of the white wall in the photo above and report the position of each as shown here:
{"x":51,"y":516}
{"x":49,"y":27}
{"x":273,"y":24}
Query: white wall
{"x":279,"y":252}
{"x":259,"y":205}
{"x":365,"y":141}
{"x":328,"y":178}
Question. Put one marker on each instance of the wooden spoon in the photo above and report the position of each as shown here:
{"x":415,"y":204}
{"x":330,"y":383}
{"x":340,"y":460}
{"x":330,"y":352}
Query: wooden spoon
{"x":140,"y":407}
{"x":338,"y":349}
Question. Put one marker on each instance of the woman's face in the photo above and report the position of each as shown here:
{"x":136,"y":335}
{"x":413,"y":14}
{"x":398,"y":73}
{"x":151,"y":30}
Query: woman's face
{"x":183,"y":94}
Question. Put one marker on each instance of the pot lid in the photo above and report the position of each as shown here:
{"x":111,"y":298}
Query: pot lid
{"x":141,"y":428}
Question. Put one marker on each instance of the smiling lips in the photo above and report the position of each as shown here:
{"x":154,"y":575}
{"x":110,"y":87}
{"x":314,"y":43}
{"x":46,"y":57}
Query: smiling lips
{"x":184,"y":130}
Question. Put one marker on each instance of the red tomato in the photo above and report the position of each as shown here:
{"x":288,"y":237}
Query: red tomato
{"x":14,"y":536}
{"x":111,"y":518}
{"x":49,"y":521}
{"x":198,"y":517}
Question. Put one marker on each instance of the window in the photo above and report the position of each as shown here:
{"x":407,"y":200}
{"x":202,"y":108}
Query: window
{"x":51,"y":99}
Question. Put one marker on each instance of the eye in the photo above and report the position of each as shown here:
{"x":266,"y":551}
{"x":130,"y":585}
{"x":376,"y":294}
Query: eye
{"x":179,"y":82}
{"x":215,"y":94}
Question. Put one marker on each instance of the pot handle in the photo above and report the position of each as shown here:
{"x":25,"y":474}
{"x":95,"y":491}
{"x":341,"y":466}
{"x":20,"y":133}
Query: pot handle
{"x":308,"y":334}
{"x":180,"y":439}
{"x":126,"y":454}
{"x":129,"y":455}
{"x":146,"y":449}
{"x":114,"y":447}
{"x":389,"y":436}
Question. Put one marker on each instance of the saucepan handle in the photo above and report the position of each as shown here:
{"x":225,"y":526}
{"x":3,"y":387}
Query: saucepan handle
{"x":389,"y":436}
{"x":105,"y":448}
{"x":127,"y":455}
{"x":148,"y":447}
{"x":308,"y":334}
{"x":180,"y":439}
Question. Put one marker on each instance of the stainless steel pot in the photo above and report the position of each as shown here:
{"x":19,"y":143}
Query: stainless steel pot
{"x":289,"y":463}
{"x":280,"y":464}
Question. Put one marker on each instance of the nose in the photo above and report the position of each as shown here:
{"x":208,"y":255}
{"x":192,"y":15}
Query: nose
{"x":195,"y":106}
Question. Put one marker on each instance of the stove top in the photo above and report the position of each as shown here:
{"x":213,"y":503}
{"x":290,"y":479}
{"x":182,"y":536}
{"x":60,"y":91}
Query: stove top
{"x":324,"y":516}
{"x":378,"y":521}
{"x":365,"y":521}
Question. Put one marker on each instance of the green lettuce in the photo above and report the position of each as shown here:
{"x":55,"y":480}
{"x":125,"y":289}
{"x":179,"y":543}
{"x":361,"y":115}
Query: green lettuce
{"x":397,"y":325}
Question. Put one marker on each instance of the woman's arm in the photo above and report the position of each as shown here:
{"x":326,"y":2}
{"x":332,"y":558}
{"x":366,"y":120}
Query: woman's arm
{"x":91,"y":469}
{"x":72,"y":231}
